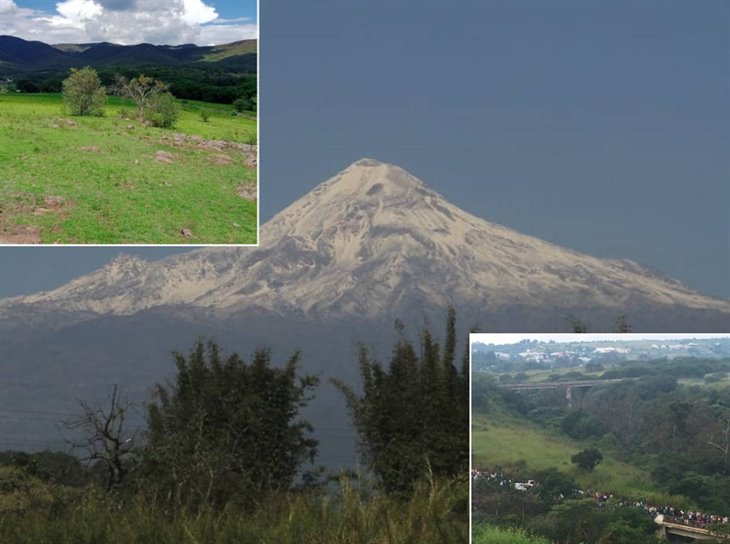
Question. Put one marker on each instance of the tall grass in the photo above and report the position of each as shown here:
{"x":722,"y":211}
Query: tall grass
{"x":486,"y":534}
{"x":435,"y":513}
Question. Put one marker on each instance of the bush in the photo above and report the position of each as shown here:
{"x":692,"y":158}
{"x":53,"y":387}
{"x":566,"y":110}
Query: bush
{"x":587,"y":459}
{"x":205,"y":115}
{"x":163,"y":111}
{"x":83,"y":93}
{"x":243,"y":104}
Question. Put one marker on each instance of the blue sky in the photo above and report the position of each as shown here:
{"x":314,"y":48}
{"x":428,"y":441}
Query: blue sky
{"x":599,"y":126}
{"x":228,"y":9}
{"x":205,"y":22}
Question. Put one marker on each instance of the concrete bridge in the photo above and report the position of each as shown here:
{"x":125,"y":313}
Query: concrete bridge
{"x":568,"y":386}
{"x":676,"y":530}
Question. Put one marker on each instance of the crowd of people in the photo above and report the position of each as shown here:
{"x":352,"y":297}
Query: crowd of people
{"x":671,"y":514}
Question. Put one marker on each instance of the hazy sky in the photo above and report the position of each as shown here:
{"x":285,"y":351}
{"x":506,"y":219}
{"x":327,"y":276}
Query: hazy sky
{"x":504,"y":339}
{"x":204,"y":22}
{"x":600,"y":126}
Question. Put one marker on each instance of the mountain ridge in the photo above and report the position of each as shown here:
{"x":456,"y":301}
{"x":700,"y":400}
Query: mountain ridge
{"x":31,"y":56}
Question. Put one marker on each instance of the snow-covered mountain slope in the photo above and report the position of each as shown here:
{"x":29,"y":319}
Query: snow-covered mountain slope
{"x":368,"y":242}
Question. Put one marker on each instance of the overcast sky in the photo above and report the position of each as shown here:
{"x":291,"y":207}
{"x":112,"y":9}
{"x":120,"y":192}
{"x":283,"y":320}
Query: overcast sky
{"x":173,"y":22}
{"x":603,"y":127}
{"x":505,"y":339}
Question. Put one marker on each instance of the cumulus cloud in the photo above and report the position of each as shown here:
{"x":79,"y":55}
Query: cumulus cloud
{"x":126,"y":22}
{"x":196,"y":12}
{"x":7,"y":6}
{"x":118,"y":5}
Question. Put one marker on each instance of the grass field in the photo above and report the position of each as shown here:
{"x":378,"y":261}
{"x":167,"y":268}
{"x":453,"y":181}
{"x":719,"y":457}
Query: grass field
{"x":501,"y":441}
{"x":111,"y":180}
{"x":485,"y":534}
{"x":41,"y":513}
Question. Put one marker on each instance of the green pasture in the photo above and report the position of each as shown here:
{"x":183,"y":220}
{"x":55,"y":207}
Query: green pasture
{"x":501,"y":441}
{"x":86,"y":180}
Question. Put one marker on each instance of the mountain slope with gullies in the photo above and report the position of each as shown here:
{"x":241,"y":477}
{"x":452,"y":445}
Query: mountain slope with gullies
{"x":374,"y":241}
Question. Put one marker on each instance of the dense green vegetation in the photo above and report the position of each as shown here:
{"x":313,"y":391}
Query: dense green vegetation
{"x":658,"y":442}
{"x":202,"y":83}
{"x":412,"y":416}
{"x":486,"y":534}
{"x":227,"y":458}
{"x":112,"y":179}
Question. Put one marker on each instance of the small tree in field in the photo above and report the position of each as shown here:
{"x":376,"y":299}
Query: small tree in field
{"x":587,"y":459}
{"x":83,"y":93}
{"x":163,"y":111}
{"x":154,"y":103}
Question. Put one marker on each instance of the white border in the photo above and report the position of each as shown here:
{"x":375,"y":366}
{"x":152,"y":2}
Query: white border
{"x":471,"y":450}
{"x":258,"y":172}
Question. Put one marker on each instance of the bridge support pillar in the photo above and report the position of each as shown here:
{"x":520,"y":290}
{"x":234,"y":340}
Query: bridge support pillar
{"x":569,"y":396}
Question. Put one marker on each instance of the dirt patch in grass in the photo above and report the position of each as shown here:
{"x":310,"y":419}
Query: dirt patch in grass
{"x":213,"y":145}
{"x":51,"y":204}
{"x":26,"y":204}
{"x":21,"y":234}
{"x":247,"y":191}
{"x":59,"y":122}
{"x":164,"y":157}
{"x":54,"y":202}
{"x":90,"y":148}
{"x":221,"y":159}
{"x":182,"y":140}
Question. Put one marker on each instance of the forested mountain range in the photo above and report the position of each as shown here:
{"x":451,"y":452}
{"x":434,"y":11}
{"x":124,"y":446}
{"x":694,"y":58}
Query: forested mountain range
{"x":220,"y":73}
{"x":21,"y":56}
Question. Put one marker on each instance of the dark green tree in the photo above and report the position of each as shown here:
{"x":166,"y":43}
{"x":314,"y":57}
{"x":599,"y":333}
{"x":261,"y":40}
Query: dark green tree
{"x":587,"y":459}
{"x":576,"y":325}
{"x":412,"y":416}
{"x":622,"y":324}
{"x":226,"y":430}
{"x":83,"y":93}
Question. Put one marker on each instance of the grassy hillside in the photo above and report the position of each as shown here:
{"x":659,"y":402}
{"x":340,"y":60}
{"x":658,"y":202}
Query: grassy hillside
{"x":486,"y":534}
{"x":244,"y":47}
{"x":503,"y":441}
{"x":111,"y":180}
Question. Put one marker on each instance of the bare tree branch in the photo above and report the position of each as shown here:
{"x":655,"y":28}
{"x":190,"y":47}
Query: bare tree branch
{"x":104,"y":439}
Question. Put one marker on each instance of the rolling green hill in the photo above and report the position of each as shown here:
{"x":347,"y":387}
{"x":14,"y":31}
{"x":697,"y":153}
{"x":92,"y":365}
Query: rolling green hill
{"x":514,"y":444}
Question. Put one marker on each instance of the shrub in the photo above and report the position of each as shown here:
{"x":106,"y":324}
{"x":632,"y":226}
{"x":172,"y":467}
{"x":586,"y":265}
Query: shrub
{"x":243,"y":104}
{"x":163,"y":111}
{"x":205,"y":115}
{"x":83,"y":93}
{"x":587,"y":459}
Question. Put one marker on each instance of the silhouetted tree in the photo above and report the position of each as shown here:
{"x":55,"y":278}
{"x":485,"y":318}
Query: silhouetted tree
{"x":225,"y":429}
{"x":412,"y":416}
{"x":576,"y":324}
{"x":105,"y":439}
{"x":622,"y":324}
